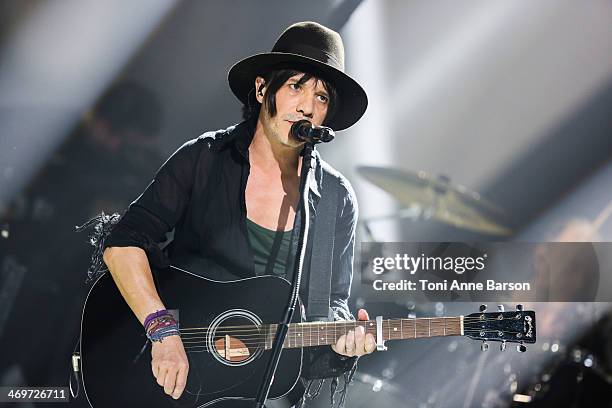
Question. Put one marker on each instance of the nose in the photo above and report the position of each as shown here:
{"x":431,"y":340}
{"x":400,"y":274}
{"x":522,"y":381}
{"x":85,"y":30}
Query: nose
{"x":306,"y":105}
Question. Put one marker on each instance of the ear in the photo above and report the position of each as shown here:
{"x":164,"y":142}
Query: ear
{"x":260,"y":89}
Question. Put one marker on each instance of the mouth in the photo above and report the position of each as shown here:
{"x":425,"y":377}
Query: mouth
{"x":296,"y":120}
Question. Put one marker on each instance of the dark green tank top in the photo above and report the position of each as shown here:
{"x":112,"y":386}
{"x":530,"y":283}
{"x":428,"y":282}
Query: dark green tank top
{"x":271,"y":250}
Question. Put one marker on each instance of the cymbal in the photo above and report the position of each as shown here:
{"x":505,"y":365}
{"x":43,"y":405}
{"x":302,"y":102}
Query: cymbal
{"x":439,"y":199}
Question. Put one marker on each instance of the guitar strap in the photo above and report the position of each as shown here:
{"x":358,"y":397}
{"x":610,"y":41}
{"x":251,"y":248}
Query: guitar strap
{"x":319,"y":288}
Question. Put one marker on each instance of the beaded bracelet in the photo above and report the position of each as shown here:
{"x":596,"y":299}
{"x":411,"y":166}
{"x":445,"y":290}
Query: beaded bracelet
{"x":159,"y":325}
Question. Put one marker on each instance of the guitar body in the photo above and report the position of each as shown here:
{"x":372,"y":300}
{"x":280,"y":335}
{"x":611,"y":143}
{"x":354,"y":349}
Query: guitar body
{"x":116,"y":374}
{"x":227,"y":330}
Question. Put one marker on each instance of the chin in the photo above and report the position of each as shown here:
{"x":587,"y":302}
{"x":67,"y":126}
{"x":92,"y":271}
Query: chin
{"x":292,"y":142}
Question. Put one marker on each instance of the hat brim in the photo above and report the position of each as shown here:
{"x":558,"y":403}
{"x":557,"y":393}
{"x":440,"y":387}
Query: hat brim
{"x":352,"y":102}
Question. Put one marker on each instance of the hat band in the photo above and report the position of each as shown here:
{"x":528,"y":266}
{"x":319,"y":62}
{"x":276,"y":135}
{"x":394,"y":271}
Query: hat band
{"x":314,"y":53}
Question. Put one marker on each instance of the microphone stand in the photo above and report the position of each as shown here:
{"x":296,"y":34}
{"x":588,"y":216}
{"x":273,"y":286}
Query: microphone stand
{"x":281,"y":331}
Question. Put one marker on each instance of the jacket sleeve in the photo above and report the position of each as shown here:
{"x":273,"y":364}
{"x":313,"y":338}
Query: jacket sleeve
{"x":325,"y":362}
{"x":156,"y":211}
{"x":344,"y":252}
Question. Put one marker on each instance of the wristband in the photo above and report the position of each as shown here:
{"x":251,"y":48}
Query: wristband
{"x":159,"y":325}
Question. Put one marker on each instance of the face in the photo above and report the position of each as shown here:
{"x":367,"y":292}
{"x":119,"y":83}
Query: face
{"x":294,"y":102}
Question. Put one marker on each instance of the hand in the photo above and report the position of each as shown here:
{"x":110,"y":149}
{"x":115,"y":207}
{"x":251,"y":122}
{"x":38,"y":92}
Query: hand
{"x":357,"y":342}
{"x":170,"y":365}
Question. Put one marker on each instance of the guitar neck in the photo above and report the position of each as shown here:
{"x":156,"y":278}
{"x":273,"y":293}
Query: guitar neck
{"x":311,"y":334}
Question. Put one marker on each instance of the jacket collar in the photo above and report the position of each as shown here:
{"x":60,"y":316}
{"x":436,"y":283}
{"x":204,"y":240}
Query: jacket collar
{"x":240,"y":136}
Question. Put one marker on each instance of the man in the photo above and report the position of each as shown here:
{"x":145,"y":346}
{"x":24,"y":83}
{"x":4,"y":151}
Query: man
{"x":232,"y":196}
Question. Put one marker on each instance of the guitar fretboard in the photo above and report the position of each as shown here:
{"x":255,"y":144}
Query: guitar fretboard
{"x":325,"y":333}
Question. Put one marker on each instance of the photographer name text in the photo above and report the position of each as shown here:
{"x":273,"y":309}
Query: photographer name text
{"x":445,"y":285}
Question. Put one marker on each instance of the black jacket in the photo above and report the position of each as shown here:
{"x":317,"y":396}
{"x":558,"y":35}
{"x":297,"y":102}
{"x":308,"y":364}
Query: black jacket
{"x":199,"y":193}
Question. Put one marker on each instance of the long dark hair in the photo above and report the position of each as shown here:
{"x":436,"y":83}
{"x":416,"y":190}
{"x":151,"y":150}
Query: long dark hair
{"x":274,"y":80}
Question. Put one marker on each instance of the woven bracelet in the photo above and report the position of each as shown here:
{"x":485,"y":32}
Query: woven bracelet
{"x":159,"y":325}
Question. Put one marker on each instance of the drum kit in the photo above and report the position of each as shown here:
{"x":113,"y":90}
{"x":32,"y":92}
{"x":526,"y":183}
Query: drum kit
{"x":424,"y":196}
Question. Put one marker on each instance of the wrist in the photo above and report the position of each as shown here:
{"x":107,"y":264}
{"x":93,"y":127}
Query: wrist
{"x":159,"y":325}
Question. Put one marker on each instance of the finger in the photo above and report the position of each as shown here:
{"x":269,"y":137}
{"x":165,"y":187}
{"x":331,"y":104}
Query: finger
{"x":155,"y":369}
{"x":170,"y":381}
{"x":340,"y":345}
{"x":181,"y":381}
{"x":359,"y":340}
{"x":350,"y":343}
{"x":370,"y":344}
{"x":362,"y":314}
{"x":161,"y":376}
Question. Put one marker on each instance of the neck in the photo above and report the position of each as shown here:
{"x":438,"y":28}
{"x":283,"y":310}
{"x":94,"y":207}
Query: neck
{"x":268,"y":154}
{"x":325,"y":333}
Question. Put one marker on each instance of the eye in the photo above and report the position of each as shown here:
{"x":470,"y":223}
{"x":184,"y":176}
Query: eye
{"x":295,"y":86}
{"x":323,"y":98}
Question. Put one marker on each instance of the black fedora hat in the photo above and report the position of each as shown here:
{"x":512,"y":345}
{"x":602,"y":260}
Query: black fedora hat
{"x":309,"y":47}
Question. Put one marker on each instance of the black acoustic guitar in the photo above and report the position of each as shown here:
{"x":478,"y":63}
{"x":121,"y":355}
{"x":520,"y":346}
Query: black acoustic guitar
{"x":227,"y":329}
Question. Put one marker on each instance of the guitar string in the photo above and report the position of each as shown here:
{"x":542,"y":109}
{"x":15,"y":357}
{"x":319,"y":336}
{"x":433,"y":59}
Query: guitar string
{"x":468,"y":329}
{"x":255,"y":332}
{"x":319,"y":330}
{"x":315,"y":335}
{"x":258,"y":344}
{"x":265,"y":340}
{"x":422,"y":319}
{"x":352,"y":322}
{"x":257,"y":340}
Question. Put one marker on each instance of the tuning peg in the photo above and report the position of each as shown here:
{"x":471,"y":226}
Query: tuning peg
{"x":521,"y":348}
{"x":484,"y":346}
{"x":483,"y":308}
{"x":502,"y":346}
{"x":500,"y":308}
{"x":519,"y":307}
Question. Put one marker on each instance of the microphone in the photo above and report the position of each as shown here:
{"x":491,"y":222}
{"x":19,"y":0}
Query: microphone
{"x":304,"y":130}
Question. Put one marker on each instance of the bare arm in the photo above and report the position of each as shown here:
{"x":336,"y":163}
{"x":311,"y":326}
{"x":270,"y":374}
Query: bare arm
{"x":131,"y":272}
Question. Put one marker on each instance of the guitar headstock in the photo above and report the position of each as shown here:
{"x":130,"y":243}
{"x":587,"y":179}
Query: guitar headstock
{"x":518,"y":326}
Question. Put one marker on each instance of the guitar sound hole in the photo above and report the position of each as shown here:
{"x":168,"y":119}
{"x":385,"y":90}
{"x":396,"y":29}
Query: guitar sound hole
{"x":237,"y":337}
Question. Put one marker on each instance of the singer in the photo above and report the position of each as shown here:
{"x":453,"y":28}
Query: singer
{"x":231,"y":197}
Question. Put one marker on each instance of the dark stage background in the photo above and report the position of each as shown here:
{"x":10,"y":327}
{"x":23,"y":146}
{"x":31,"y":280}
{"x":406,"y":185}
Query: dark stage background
{"x":512,"y":99}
